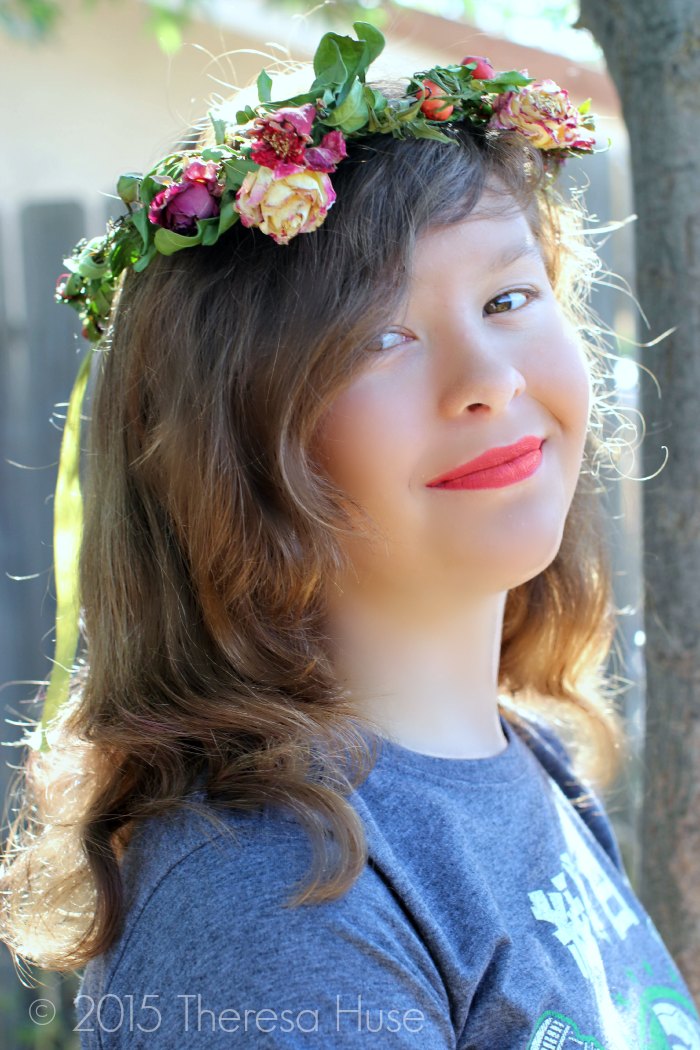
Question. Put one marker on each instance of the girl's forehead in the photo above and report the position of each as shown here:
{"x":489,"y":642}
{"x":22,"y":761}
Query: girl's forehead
{"x":486,"y":238}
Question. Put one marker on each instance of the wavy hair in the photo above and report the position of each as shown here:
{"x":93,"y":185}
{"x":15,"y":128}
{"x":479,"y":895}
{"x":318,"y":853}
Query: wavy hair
{"x":209,"y":531}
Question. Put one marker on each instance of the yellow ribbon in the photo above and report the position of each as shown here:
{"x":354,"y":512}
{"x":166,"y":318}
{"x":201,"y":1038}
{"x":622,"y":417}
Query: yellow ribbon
{"x":67,"y":537}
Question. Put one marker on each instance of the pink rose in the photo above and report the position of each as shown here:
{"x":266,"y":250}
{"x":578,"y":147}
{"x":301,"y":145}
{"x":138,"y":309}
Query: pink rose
{"x":179,"y":205}
{"x":542,"y":111}
{"x":281,"y":137}
{"x":328,"y":153}
{"x":284,"y":205}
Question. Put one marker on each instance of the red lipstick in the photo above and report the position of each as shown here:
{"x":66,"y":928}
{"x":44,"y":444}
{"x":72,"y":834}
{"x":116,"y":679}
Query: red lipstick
{"x":496,"y":467}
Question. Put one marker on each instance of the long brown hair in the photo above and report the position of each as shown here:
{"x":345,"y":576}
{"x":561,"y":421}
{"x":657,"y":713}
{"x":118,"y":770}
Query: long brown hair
{"x":210,"y":531}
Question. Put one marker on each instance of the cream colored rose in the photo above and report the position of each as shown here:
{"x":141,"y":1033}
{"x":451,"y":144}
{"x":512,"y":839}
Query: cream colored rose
{"x":542,"y":111}
{"x":286,"y":205}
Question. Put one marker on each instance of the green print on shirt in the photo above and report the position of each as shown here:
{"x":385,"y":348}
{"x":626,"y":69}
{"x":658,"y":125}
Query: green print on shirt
{"x":556,"y":1032}
{"x":668,"y":1021}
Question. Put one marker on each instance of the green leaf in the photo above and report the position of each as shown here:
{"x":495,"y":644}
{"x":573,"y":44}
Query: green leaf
{"x":143,"y":262}
{"x":351,"y":114}
{"x":150,"y":186}
{"x":264,"y":83}
{"x":88,"y":264}
{"x":512,"y":78}
{"x":213,"y":153}
{"x":140,"y":221}
{"x":373,"y":40}
{"x":219,"y":126}
{"x":411,"y":112}
{"x":585,"y":107}
{"x":340,"y":58}
{"x":209,"y":229}
{"x":244,"y":116}
{"x":236,"y":170}
{"x":89,"y":269}
{"x":227,"y":216}
{"x":422,"y":130}
{"x":67,"y":538}
{"x":128,"y":187}
{"x":102,"y":301}
{"x":329,"y":66}
{"x":374,"y":99}
{"x":168,"y":242}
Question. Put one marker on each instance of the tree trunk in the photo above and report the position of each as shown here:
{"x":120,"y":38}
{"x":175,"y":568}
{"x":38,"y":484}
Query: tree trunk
{"x":653,"y":55}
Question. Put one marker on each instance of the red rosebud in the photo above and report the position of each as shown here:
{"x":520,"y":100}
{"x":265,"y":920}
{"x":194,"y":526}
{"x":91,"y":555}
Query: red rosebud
{"x":484,"y":70}
{"x":179,"y":205}
{"x":433,"y":107}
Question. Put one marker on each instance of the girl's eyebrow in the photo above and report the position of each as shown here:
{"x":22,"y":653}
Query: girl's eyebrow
{"x":514,"y":252}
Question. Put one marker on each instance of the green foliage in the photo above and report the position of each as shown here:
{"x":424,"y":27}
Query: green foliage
{"x":38,"y":20}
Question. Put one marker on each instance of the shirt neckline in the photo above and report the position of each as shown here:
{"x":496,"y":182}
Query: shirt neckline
{"x":507,"y":765}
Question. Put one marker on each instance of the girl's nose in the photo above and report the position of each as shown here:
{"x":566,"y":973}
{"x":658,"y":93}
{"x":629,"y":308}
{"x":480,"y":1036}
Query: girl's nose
{"x":477,"y":379}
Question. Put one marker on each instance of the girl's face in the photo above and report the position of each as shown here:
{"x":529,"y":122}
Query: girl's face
{"x":481,"y":356}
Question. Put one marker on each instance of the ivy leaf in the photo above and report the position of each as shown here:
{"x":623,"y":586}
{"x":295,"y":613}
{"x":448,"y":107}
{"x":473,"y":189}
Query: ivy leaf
{"x":264,"y":83}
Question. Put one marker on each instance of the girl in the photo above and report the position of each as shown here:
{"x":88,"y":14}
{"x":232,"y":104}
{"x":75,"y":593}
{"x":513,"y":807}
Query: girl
{"x":326,"y":777}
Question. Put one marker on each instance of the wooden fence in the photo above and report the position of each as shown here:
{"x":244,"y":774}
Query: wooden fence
{"x":40,"y":350}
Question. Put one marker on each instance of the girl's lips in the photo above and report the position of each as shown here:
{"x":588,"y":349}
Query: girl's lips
{"x":493,"y":457}
{"x":496,"y":477}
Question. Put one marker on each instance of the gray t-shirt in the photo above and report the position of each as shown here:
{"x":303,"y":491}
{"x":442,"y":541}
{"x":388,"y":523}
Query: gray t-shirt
{"x":493,"y":914}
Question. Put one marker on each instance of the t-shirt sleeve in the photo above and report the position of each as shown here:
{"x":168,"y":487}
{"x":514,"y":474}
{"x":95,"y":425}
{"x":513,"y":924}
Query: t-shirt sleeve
{"x":215,"y":959}
{"x":555,"y":758}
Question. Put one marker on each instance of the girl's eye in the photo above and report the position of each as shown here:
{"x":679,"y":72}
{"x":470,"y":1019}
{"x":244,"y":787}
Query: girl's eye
{"x":390,"y":339}
{"x":524,"y":294}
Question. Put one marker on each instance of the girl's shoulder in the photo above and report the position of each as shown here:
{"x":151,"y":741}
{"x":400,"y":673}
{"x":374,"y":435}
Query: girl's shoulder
{"x":554,"y":757}
{"x":211,"y":952}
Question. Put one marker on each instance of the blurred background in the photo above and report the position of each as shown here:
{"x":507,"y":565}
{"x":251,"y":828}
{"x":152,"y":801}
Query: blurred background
{"x":95,"y":88}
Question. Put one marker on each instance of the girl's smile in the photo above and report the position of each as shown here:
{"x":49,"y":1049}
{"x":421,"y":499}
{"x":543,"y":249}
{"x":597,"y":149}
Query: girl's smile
{"x":502,"y":465}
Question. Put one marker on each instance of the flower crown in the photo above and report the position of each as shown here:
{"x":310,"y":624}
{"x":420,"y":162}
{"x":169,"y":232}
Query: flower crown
{"x":270,"y":169}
